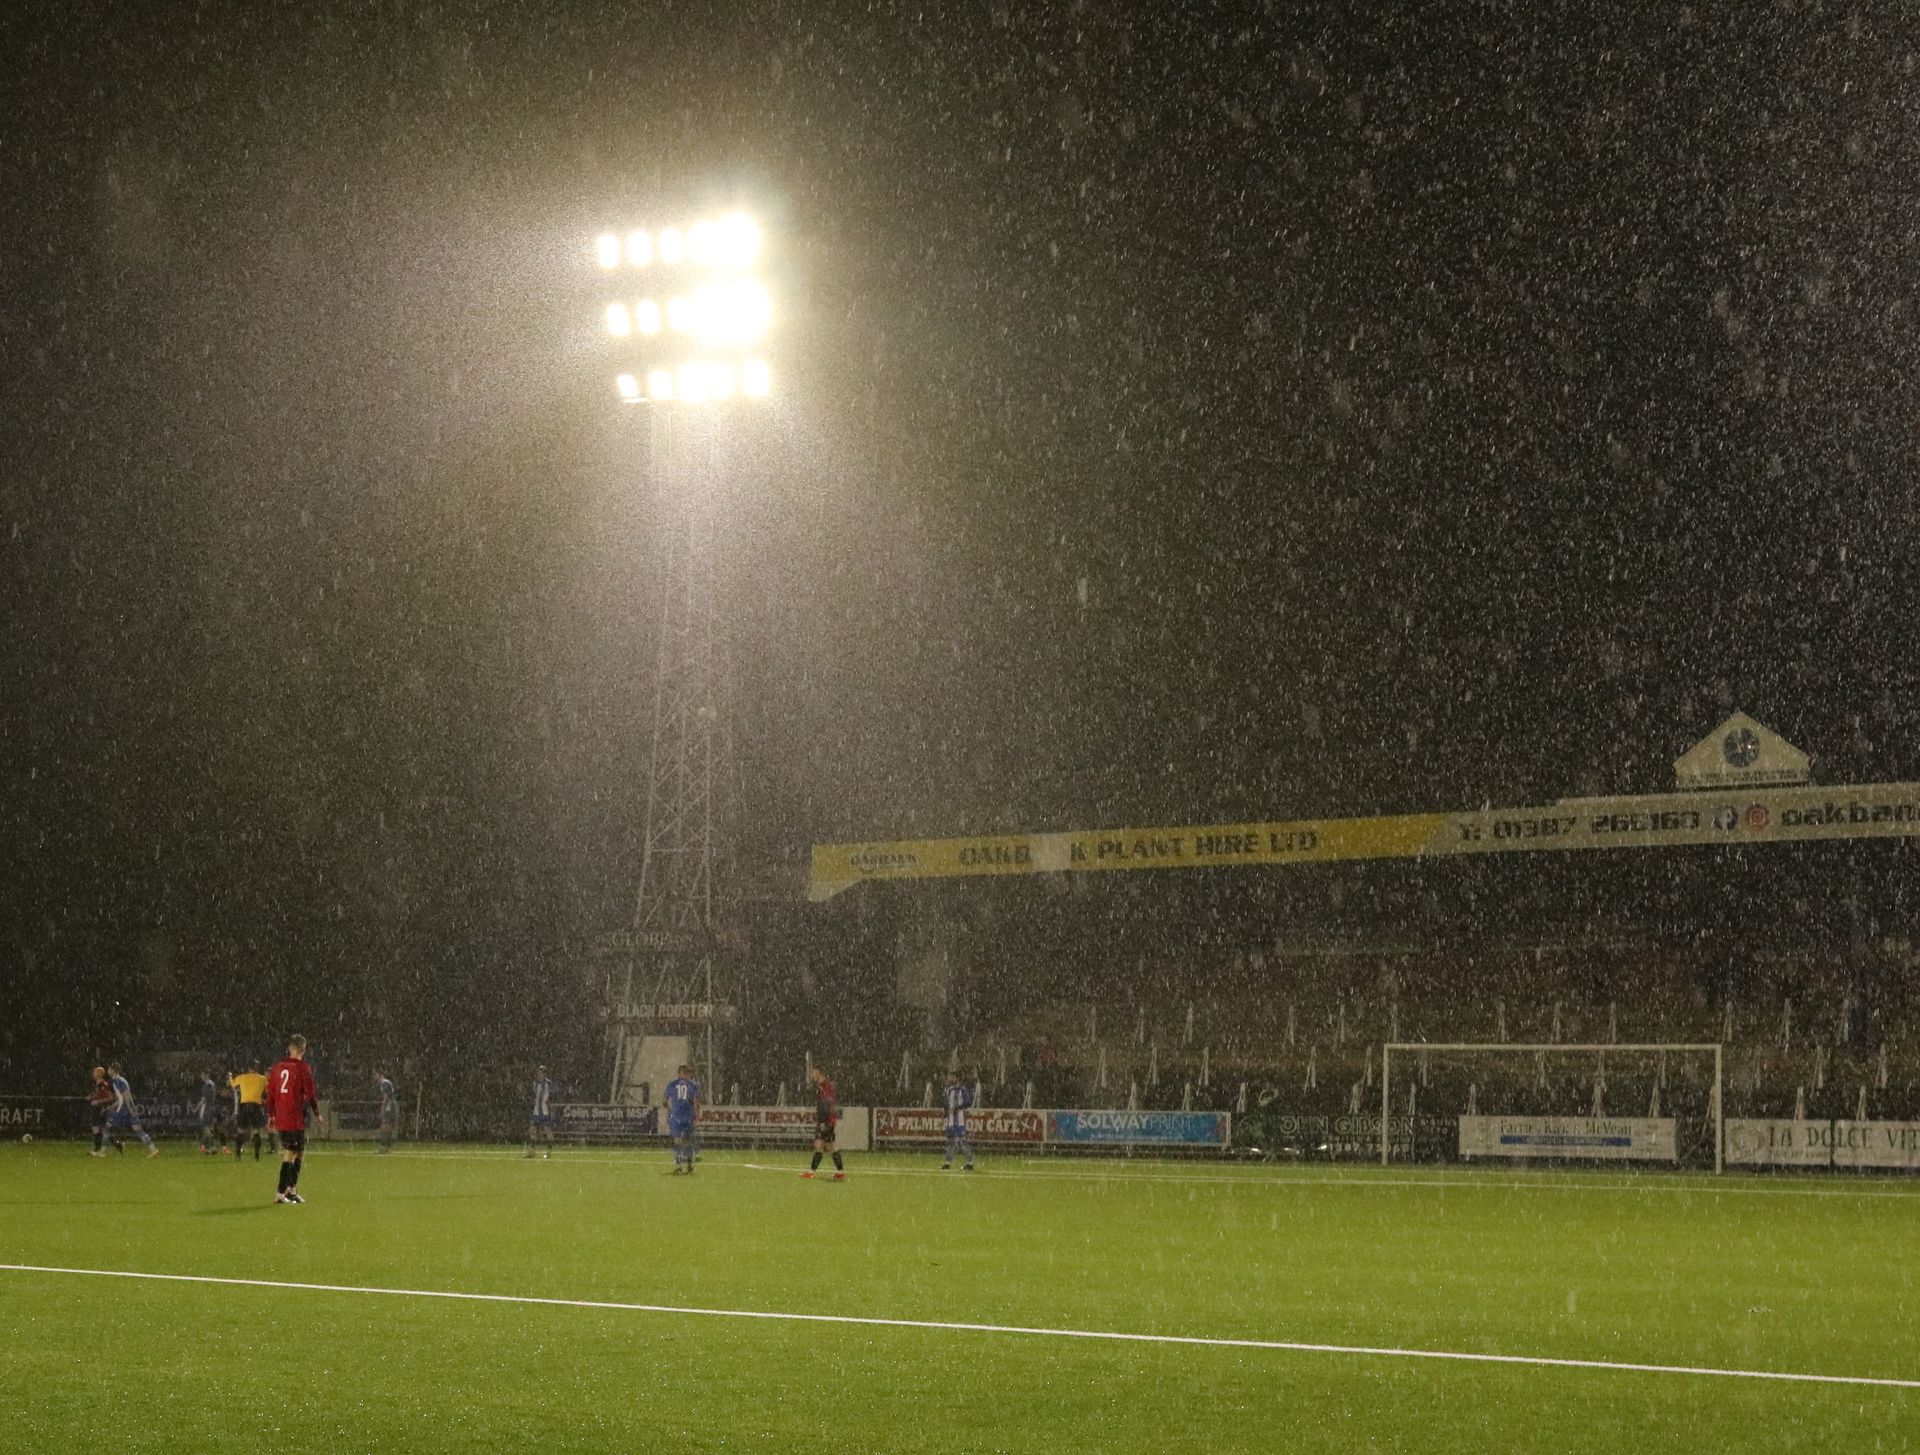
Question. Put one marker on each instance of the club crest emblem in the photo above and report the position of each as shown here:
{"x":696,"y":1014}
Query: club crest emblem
{"x":1740,"y":747}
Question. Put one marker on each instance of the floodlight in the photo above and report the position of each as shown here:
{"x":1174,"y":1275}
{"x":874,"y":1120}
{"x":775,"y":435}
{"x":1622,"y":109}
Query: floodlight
{"x":692,"y":383}
{"x":746,"y":313}
{"x":725,"y":313}
{"x":740,"y":239}
{"x":718,"y":316}
{"x":696,"y":314}
{"x":704,"y":244}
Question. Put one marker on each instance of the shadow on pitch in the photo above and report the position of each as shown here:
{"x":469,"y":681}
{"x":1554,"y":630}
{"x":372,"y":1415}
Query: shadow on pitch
{"x":226,"y":1212}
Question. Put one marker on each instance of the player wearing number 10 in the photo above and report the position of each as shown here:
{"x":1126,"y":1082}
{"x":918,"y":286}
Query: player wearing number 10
{"x":683,"y":1109}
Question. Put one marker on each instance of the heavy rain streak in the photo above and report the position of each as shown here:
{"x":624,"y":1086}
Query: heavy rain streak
{"x":973,"y":727}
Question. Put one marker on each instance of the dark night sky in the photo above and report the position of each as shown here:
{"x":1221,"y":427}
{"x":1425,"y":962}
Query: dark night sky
{"x":1442,"y":404}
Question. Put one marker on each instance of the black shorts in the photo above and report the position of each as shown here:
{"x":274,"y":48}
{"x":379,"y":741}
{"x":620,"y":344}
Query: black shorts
{"x":252,"y":1117}
{"x":823,"y":1131}
{"x":294,"y":1142}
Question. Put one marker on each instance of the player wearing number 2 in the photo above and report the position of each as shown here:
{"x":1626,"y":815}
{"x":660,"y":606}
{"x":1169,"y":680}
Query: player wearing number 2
{"x":290,"y":1097}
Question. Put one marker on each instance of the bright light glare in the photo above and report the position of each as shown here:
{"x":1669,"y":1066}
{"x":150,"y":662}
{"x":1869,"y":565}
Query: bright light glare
{"x":720,"y":381}
{"x":704,"y":244}
{"x":755,"y":379}
{"x":721,"y":313}
{"x":739,"y":239}
{"x":730,"y":242}
{"x":692,"y":383}
{"x":619,"y":321}
{"x":732,"y":313}
{"x":628,"y":386}
{"x":660,"y":384}
{"x":647,"y":316}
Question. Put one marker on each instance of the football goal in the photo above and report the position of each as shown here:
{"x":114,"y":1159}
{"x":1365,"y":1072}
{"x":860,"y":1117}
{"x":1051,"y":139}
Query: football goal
{"x":1553,"y":1104}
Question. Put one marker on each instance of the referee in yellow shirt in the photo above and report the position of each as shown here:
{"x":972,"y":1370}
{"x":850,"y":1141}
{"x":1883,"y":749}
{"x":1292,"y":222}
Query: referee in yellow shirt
{"x":250,"y":1108}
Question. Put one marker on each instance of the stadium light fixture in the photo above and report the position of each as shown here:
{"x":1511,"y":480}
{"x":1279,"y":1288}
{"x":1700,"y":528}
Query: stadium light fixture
{"x":691,"y":386}
{"x":741,"y":240}
{"x":703,"y":245}
{"x":698,"y":337}
{"x":729,"y":313}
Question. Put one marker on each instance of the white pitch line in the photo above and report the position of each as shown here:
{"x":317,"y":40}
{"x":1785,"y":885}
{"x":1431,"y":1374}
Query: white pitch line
{"x":1278,"y":1177}
{"x":1280,"y":1180}
{"x":1109,"y":1335}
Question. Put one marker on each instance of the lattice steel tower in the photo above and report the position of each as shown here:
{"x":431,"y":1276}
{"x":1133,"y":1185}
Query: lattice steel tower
{"x":687,"y":897}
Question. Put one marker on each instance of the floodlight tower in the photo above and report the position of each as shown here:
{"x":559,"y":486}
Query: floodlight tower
{"x":687,"y":315}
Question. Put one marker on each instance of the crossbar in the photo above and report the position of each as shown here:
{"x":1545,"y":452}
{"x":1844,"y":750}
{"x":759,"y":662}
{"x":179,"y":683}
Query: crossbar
{"x":1553,"y":1046}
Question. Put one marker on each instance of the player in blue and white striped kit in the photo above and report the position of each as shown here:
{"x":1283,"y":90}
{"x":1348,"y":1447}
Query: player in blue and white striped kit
{"x":123,"y":1115}
{"x":959,"y":1098}
{"x":207,"y":1107}
{"x":540,"y":1124}
{"x":389,"y":1109}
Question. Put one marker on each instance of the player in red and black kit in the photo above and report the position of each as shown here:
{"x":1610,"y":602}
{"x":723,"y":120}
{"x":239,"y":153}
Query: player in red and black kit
{"x":290,"y":1096}
{"x":99,"y":1102}
{"x":826,"y":1112}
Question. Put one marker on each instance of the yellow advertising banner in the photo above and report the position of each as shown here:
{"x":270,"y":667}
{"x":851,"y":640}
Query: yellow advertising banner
{"x":1763,"y":816}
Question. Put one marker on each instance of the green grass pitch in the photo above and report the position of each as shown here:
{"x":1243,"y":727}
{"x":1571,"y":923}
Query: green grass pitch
{"x":1789,"y":1275}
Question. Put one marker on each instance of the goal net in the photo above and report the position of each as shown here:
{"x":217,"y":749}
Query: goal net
{"x":352,"y":1121}
{"x":1655,"y":1105}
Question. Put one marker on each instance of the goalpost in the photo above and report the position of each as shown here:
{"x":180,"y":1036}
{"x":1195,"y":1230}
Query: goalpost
{"x":1716,"y":1103}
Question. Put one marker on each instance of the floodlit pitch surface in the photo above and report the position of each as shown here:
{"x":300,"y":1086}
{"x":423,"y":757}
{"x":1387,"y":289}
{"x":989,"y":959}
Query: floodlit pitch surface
{"x":1783,"y":1275}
